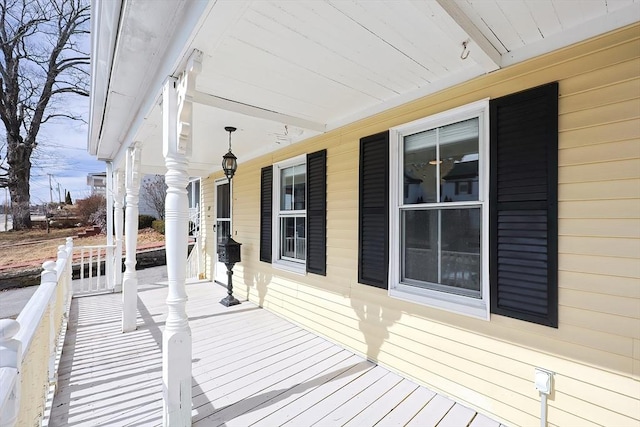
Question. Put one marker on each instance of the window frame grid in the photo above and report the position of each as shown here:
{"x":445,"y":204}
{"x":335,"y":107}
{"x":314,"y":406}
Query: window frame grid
{"x":277,"y":260}
{"x":467,"y":305}
{"x":294,"y":214}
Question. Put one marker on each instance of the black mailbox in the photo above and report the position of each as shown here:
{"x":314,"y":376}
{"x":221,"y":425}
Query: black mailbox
{"x":229,"y":251}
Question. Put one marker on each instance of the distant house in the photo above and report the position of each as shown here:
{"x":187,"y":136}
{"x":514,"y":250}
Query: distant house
{"x":97,"y":182}
{"x":449,"y":188}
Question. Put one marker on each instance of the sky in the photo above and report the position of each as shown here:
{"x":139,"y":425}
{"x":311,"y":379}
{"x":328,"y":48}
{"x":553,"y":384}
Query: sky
{"x":62,"y":152}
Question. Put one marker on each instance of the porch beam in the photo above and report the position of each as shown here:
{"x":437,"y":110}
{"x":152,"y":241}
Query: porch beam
{"x":486,"y":55}
{"x":130,"y":278}
{"x":258,"y":112}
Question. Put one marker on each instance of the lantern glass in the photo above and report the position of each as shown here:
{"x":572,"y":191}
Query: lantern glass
{"x":229,"y":164}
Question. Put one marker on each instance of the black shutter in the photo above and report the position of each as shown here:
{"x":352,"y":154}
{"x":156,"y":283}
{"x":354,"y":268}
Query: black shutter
{"x":266,"y":208}
{"x":373,"y":221}
{"x":317,"y":212}
{"x":524,"y":205}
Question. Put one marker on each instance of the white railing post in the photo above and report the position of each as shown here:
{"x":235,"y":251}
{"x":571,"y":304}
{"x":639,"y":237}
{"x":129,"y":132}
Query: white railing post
{"x":50,"y":275}
{"x":10,"y":365}
{"x":61,"y":265}
{"x":29,"y":345}
{"x":69,"y":274}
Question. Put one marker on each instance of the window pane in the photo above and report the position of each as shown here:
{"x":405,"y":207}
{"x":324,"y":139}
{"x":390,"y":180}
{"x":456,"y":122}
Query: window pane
{"x":288,"y":233}
{"x":301,"y":239}
{"x":420,"y":169}
{"x":299,"y":187}
{"x":293,"y":238}
{"x":223,"y":201}
{"x":286,"y":189}
{"x":420,"y":248}
{"x":441,"y":249}
{"x":292,"y":188}
{"x":459,"y":161}
{"x":223,"y":229}
{"x":461,"y":249}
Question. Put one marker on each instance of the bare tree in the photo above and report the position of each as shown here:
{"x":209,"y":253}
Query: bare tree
{"x":41,"y":63}
{"x":154,"y":192}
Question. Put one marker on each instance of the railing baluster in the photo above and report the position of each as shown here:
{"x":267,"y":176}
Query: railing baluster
{"x":82,"y":269}
{"x":98,"y":271}
{"x":95,"y":283}
{"x":91,"y":269}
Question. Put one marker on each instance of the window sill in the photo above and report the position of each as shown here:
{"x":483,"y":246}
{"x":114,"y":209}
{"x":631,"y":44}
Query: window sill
{"x":466,"y":306}
{"x":292,"y":267}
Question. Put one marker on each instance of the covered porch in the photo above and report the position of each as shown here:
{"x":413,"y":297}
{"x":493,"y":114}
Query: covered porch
{"x":295,"y":77}
{"x":250,"y":367}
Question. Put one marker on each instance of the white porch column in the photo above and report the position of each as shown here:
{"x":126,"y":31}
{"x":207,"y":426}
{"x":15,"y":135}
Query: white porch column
{"x":118,"y":223}
{"x":130,"y":278}
{"x":109,"y":255}
{"x":176,"y":338}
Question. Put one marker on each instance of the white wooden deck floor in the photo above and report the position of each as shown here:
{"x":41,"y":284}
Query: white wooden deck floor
{"x":250,"y":367}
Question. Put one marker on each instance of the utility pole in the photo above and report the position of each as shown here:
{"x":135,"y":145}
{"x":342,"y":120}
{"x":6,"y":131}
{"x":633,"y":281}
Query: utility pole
{"x":46,"y":211}
{"x":59,"y":197}
{"x":6,"y":206}
{"x":50,"y":189}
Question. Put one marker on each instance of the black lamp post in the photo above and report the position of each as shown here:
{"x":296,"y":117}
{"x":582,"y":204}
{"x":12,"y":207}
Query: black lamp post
{"x":229,"y":249}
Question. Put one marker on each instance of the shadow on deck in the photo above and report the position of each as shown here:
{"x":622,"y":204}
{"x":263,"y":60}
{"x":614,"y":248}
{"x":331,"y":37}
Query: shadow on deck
{"x":250,"y":367}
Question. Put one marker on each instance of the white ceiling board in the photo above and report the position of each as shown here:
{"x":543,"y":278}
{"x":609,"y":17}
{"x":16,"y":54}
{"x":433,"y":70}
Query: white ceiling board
{"x":325,"y":62}
{"x":402,"y":28}
{"x":492,"y":20}
{"x":317,"y":64}
{"x":259,"y":78}
{"x":453,"y":21}
{"x":545,"y":18}
{"x":330,"y":55}
{"x":521,"y":20}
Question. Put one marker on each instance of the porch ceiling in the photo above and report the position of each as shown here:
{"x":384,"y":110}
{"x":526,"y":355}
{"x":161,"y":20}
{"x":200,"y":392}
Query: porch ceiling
{"x":283,"y":71}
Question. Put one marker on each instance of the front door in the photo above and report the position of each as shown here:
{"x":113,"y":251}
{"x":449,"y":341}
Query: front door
{"x":222,"y":226}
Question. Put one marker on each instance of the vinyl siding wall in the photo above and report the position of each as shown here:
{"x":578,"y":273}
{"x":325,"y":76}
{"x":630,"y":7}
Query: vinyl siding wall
{"x":489,"y":365}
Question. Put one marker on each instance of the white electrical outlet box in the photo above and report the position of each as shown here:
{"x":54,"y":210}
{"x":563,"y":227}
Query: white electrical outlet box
{"x":543,"y":380}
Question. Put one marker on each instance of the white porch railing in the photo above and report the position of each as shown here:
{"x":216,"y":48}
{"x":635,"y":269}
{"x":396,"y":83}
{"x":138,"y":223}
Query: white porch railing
{"x":30,"y":346}
{"x":295,"y":247}
{"x":91,"y":269}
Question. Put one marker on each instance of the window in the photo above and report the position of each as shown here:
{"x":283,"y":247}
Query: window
{"x":291,"y":212}
{"x":293,"y":205}
{"x":472,"y":224}
{"x":439,"y":211}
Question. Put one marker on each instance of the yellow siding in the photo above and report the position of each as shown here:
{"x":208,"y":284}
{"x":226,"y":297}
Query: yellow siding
{"x":595,"y":352}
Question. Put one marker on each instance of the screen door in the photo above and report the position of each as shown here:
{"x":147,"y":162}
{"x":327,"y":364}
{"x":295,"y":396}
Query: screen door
{"x":222,"y":225}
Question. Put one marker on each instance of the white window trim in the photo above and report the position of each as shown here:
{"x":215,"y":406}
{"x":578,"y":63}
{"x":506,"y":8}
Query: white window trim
{"x":276,"y":262}
{"x":475,"y":307}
